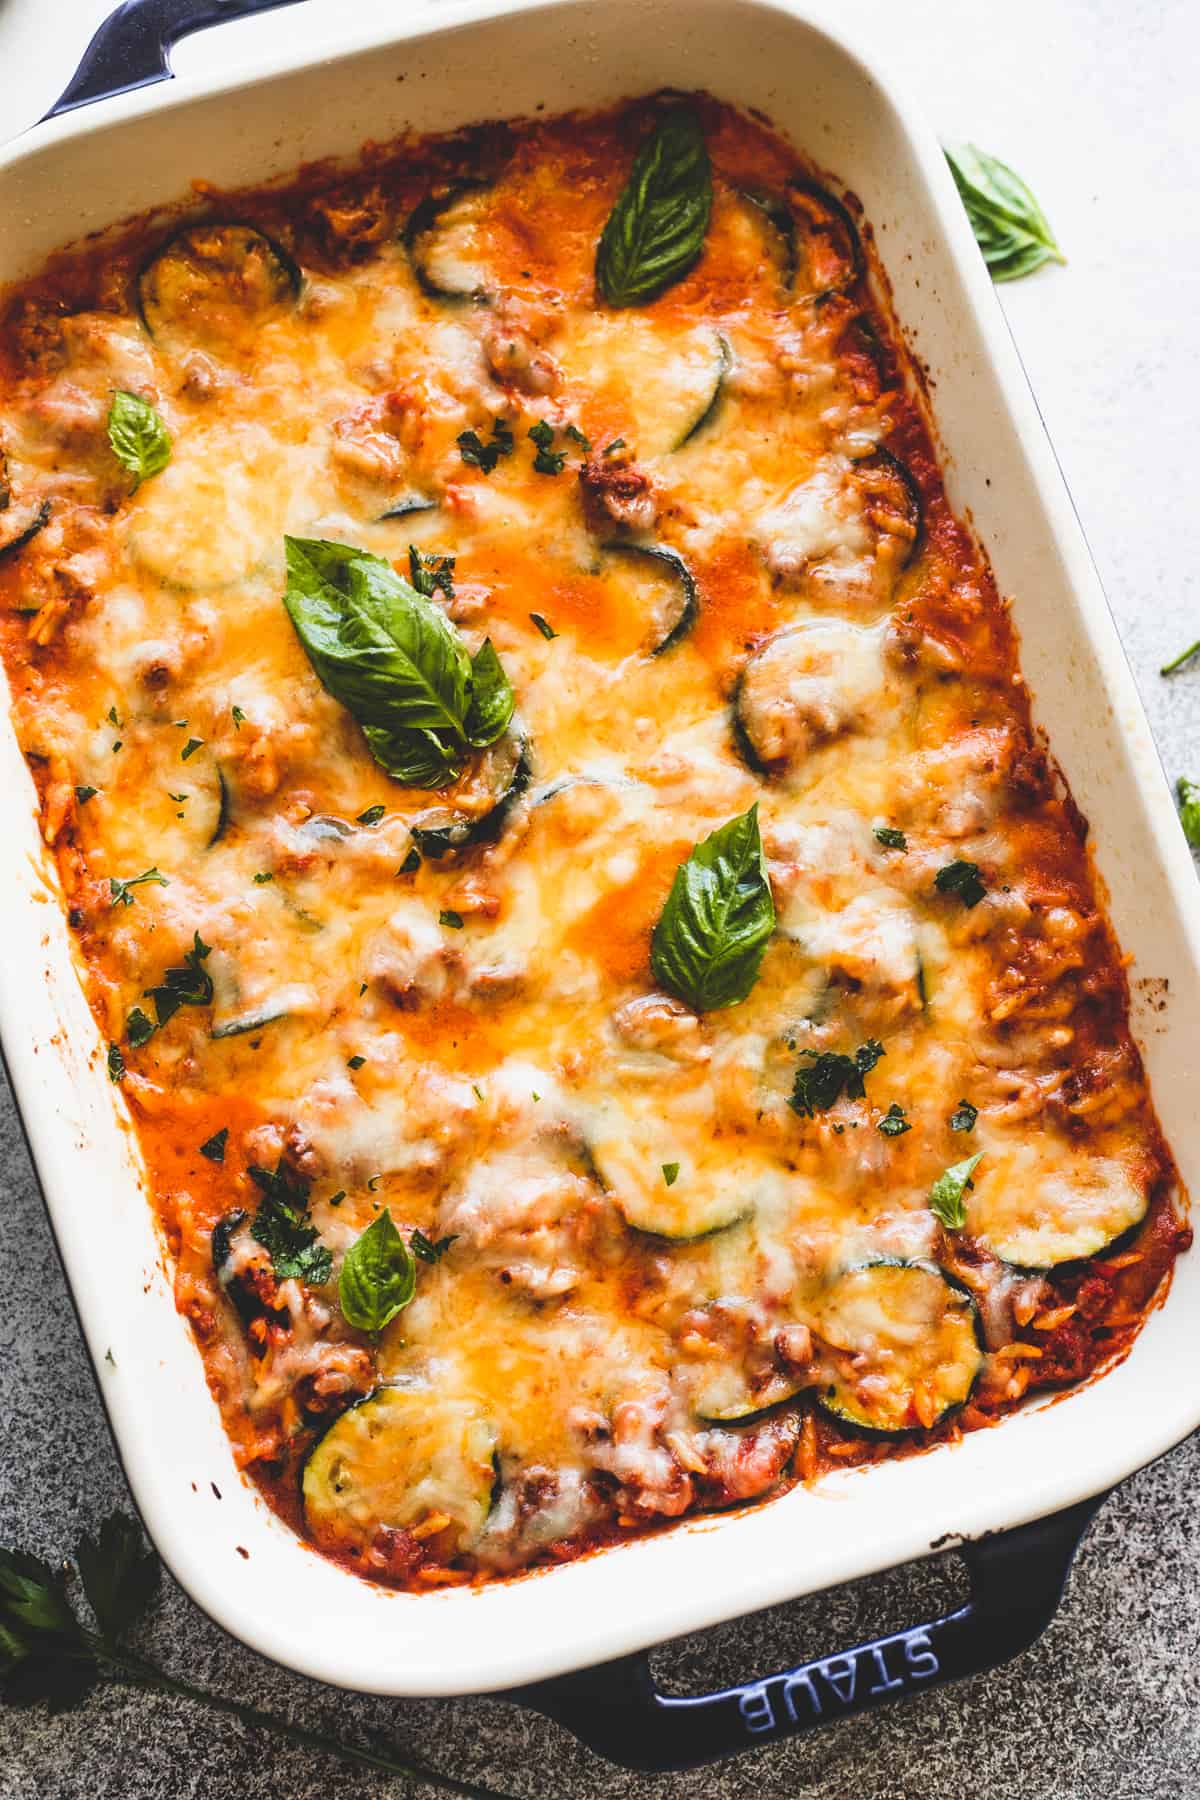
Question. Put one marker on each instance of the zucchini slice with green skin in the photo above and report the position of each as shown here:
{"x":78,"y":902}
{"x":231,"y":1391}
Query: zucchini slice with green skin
{"x":210,"y":280}
{"x":267,"y":1014}
{"x":20,"y":522}
{"x":805,"y":686}
{"x":726,"y":1398}
{"x":723,"y":365}
{"x":406,"y":506}
{"x":683,"y":608}
{"x":502,"y":774}
{"x":429,"y":238}
{"x":1066,"y":1216}
{"x":400,"y":1457}
{"x":631,"y":1147}
{"x":820,"y":249}
{"x":904,"y":1346}
{"x":893,"y":500}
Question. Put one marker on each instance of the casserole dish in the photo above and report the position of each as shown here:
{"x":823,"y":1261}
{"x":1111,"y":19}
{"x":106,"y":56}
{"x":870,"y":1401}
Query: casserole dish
{"x":444,"y":1646}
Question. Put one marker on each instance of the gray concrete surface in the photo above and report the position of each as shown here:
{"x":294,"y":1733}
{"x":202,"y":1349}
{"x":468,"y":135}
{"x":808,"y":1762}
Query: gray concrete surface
{"x":1094,"y":100}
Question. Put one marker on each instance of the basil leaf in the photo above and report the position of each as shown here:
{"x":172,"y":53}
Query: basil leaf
{"x":1189,"y":809}
{"x":655,"y":232}
{"x":964,"y":1116}
{"x":386,"y":652}
{"x":1010,"y":227}
{"x":393,"y":658}
{"x":829,"y":1075}
{"x":947,"y":1196}
{"x":491,"y":705}
{"x":708,"y":945}
{"x":378,"y":1278}
{"x":141,"y":442}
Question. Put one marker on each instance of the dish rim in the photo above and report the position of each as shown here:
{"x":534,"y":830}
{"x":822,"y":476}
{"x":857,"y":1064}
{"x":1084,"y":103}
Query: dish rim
{"x":1149,"y":1432}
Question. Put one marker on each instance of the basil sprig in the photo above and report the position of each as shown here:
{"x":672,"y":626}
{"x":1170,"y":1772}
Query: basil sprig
{"x":141,"y":442}
{"x":392,"y":658}
{"x":379,"y":1276}
{"x":1188,"y":793}
{"x":655,"y":232}
{"x":1010,"y":227}
{"x":708,"y":944}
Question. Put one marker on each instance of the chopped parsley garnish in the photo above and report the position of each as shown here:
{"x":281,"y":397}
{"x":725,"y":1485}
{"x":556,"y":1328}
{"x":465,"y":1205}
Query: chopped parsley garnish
{"x":411,"y":863}
{"x":964,"y":1116}
{"x":177,"y":798}
{"x":84,"y":794}
{"x":478,"y":455}
{"x":190,"y":748}
{"x":544,"y":626}
{"x":116,"y":1063}
{"x":893,"y":1122}
{"x":947,"y":1196}
{"x":576,"y":436}
{"x":238,"y":716}
{"x":830,"y":1075}
{"x":336,"y":1199}
{"x":547,"y":461}
{"x":355,"y":1062}
{"x":428,"y":573}
{"x":371,"y":816}
{"x":1189,"y":809}
{"x":186,"y":985}
{"x":452,"y":920}
{"x":477,"y":1091}
{"x":283,"y":1226}
{"x":214,"y":1147}
{"x":138,"y":1029}
{"x":120,"y":892}
{"x":116,"y":746}
{"x":670,"y":1173}
{"x":112,"y":717}
{"x":890,"y":838}
{"x":961,"y":878}
{"x":617,"y":444}
{"x":429,"y":1250}
{"x":262,"y":878}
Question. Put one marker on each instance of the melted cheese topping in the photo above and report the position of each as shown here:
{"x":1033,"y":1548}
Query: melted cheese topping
{"x":648,"y":1243}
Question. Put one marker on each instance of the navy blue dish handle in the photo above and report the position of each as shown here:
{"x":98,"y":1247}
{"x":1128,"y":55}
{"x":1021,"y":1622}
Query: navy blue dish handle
{"x":1016,"y":1582}
{"x":130,"y":49}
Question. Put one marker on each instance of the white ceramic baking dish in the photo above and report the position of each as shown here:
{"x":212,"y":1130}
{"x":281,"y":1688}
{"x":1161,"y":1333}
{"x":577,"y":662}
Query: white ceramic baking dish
{"x":387,"y":70}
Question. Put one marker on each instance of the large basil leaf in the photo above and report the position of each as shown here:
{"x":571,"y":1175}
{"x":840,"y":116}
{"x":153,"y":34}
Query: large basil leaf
{"x":379,"y":1276}
{"x":655,"y":232}
{"x":708,"y":945}
{"x":392,"y":657}
{"x":1010,"y":227}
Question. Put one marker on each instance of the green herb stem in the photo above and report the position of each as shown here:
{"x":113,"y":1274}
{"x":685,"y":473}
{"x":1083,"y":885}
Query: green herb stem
{"x":1183,"y":657}
{"x":137,"y":1671}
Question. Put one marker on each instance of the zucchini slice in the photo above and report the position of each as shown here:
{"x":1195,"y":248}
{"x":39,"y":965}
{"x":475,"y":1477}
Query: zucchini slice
{"x":402,"y":1456}
{"x":212,"y":281}
{"x":483,"y":801}
{"x":904,"y":1346}
{"x":672,"y":600}
{"x":727,"y":1398}
{"x":724,"y":364}
{"x":444,"y":243}
{"x":19,"y":522}
{"x":806,"y":685}
{"x":406,"y":505}
{"x":659,"y":383}
{"x":892,"y":503}
{"x":816,"y":241}
{"x":1064,"y":1216}
{"x":277,"y":1008}
{"x":633,"y":1143}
